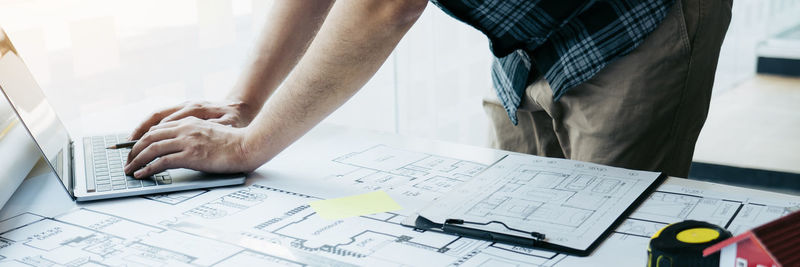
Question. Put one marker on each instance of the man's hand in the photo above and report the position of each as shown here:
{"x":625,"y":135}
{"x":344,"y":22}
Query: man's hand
{"x":190,"y":143}
{"x":352,"y":44}
{"x":233,"y":113}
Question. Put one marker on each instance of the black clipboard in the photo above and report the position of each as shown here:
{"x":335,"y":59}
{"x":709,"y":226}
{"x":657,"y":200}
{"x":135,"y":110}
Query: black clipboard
{"x":461,"y":229}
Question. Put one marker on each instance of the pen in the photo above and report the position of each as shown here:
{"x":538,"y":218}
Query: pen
{"x":123,"y":145}
{"x":452,"y":226}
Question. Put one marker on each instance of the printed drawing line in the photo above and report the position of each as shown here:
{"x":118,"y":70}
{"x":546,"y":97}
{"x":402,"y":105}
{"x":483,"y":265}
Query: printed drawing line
{"x":388,"y":220}
{"x":419,"y":166}
{"x":98,"y":243}
{"x":553,"y":256}
{"x":444,"y":248}
{"x":17,"y":216}
{"x":288,"y":225}
{"x":337,"y":248}
{"x":114,"y":216}
{"x":639,"y":228}
{"x":98,"y":246}
{"x":535,"y":204}
{"x":255,"y":254}
{"x":176,"y":197}
{"x":235,"y":202}
{"x":739,"y":208}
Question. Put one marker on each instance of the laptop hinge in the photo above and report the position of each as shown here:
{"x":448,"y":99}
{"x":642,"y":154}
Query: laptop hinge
{"x":71,"y":188}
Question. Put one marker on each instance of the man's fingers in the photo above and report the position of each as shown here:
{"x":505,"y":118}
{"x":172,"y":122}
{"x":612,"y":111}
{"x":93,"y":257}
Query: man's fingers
{"x":152,"y":152}
{"x":224,"y":120}
{"x":193,"y":111}
{"x":148,"y":139}
{"x":163,"y":163}
{"x":166,"y":125}
{"x":152,"y":120}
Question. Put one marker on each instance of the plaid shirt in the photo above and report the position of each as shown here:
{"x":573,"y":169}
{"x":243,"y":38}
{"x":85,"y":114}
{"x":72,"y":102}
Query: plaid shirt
{"x":566,"y":41}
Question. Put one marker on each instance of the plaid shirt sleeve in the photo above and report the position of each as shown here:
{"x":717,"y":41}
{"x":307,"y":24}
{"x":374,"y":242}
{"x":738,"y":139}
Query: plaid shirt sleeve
{"x":567,"y":42}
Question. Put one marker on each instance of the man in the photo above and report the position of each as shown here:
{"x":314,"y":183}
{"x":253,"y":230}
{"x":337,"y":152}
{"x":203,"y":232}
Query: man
{"x":624,"y":83}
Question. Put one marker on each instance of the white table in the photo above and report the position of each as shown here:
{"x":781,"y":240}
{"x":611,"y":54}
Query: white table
{"x":737,"y":133}
{"x":267,"y":221}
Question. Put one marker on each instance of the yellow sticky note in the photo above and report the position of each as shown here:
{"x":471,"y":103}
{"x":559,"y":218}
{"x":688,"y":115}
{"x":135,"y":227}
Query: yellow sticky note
{"x":364,"y":204}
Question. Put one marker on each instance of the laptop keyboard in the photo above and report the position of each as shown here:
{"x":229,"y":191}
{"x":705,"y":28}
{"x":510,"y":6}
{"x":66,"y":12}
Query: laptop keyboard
{"x":108,"y":174}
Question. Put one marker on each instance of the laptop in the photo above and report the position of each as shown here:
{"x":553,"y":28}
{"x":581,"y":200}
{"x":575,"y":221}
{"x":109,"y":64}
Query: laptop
{"x":84,"y":166}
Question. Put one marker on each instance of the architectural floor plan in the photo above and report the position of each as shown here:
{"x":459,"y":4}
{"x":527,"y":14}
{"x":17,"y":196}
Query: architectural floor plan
{"x":572,"y":203}
{"x":262,"y":224}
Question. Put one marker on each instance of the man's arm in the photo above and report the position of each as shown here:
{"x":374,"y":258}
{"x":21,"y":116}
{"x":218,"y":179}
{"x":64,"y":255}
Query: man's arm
{"x":287,"y":34}
{"x":354,"y":41}
{"x":352,"y":45}
{"x":283,"y":42}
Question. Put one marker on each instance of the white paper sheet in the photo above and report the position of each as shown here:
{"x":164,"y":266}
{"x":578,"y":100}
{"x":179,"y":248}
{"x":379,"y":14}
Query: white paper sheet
{"x":573,"y":203}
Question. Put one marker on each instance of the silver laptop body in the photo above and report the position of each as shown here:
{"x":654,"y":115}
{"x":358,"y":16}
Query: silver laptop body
{"x":78,"y":164}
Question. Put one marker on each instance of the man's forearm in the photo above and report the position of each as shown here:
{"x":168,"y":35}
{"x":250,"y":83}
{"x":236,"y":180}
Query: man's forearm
{"x":355,"y":40}
{"x":289,"y":30}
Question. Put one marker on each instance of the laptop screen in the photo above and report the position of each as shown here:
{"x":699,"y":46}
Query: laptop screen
{"x":24,"y":94}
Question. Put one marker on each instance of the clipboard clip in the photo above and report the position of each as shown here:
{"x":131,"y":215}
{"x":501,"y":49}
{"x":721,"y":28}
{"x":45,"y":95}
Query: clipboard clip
{"x":536,"y":236}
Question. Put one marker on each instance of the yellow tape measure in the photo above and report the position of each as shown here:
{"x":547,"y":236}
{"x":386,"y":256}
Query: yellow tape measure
{"x":682,"y":244}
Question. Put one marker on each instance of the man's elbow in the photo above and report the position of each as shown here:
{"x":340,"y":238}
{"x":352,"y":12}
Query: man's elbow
{"x":401,"y":12}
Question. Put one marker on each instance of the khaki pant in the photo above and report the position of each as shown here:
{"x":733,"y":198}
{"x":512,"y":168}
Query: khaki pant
{"x":643,"y":111}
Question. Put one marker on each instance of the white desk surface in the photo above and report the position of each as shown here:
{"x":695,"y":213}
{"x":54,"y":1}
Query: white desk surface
{"x":267,"y":221}
{"x":755,"y":125}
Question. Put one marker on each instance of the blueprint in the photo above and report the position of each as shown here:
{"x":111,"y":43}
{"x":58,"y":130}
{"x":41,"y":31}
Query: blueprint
{"x":573,"y":203}
{"x":268,"y":221}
